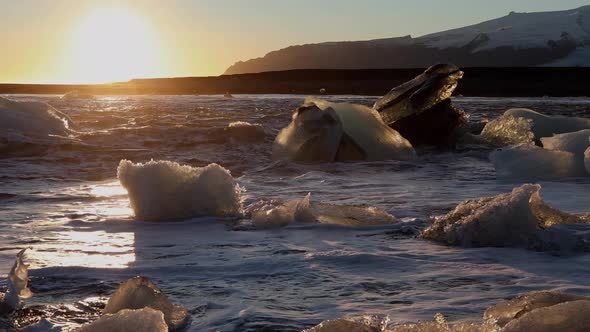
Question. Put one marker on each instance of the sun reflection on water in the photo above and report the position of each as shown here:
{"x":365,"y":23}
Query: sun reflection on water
{"x":96,"y":249}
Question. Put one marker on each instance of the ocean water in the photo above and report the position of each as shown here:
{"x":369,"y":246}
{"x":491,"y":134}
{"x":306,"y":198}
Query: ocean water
{"x":63,"y":200}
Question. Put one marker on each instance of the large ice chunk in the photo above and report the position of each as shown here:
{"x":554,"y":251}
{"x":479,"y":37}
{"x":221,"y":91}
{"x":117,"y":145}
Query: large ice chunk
{"x":366,"y":127}
{"x":575,"y":142}
{"x":534,"y":163}
{"x":547,"y":126}
{"x":138,"y":293}
{"x":572,"y":316}
{"x":508,"y":130}
{"x":321,"y":131}
{"x":511,"y":219}
{"x":144,"y":320}
{"x":165,"y":190}
{"x":29,"y":119}
{"x":514,"y":308}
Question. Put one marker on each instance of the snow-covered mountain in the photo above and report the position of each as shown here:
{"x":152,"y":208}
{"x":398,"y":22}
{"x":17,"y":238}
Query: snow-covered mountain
{"x":560,"y":38}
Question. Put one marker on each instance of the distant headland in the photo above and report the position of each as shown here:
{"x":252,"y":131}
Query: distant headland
{"x":498,"y":82}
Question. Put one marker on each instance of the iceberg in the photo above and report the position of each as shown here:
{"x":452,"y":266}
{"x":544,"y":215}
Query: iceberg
{"x":144,"y":320}
{"x":506,"y":220}
{"x":547,"y":126}
{"x":508,"y":130}
{"x":321,"y":131}
{"x":535,"y":163}
{"x":28,"y":119}
{"x":165,"y":190}
{"x":140,"y":293}
{"x":543,"y":311}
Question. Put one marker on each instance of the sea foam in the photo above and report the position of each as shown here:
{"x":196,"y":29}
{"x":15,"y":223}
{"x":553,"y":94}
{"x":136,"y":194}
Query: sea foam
{"x":516,"y":219}
{"x":165,"y":190}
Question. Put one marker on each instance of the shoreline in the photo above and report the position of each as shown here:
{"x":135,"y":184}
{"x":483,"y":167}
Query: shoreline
{"x":477,"y":82}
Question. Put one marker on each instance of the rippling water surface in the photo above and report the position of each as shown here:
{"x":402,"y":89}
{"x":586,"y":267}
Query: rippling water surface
{"x":64,"y":201}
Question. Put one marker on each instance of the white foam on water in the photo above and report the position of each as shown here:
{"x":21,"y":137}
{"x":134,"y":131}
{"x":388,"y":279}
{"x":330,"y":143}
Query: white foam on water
{"x":138,"y":293}
{"x":144,"y":320}
{"x":165,"y":190}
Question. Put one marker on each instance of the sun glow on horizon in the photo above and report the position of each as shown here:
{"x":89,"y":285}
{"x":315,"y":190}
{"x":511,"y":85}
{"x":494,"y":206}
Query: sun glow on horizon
{"x":111,"y":45}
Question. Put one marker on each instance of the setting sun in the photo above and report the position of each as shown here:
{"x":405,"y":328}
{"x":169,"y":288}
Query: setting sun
{"x":113,"y":44}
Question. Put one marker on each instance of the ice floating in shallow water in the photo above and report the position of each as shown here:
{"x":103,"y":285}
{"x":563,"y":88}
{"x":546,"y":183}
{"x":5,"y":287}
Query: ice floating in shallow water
{"x":273,"y":214}
{"x":576,"y":142}
{"x":359,"y":324}
{"x":547,"y":126}
{"x":139,"y":320}
{"x":537,"y":311}
{"x":512,"y":219}
{"x":504,"y":312}
{"x":165,"y":190}
{"x":138,"y":293}
{"x":365,"y":126}
{"x":508,"y":130}
{"x":534,"y":163}
{"x":321,"y":131}
{"x":571,"y":316}
{"x":27,"y":119}
{"x":241,"y":131}
{"x":18,"y":279}
{"x":524,"y":126}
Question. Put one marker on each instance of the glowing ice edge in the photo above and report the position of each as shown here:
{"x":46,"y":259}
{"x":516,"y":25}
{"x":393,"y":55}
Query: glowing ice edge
{"x":30,"y":121}
{"x":166,"y":190}
{"x":514,"y":219}
{"x":265,"y":216}
{"x":18,"y":279}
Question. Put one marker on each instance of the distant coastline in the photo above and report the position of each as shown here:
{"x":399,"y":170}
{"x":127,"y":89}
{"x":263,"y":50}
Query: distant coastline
{"x":483,"y":82}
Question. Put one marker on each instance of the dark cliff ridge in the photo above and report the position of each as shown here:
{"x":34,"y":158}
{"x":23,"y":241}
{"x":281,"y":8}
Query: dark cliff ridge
{"x":516,"y":40}
{"x":496,"y":82}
